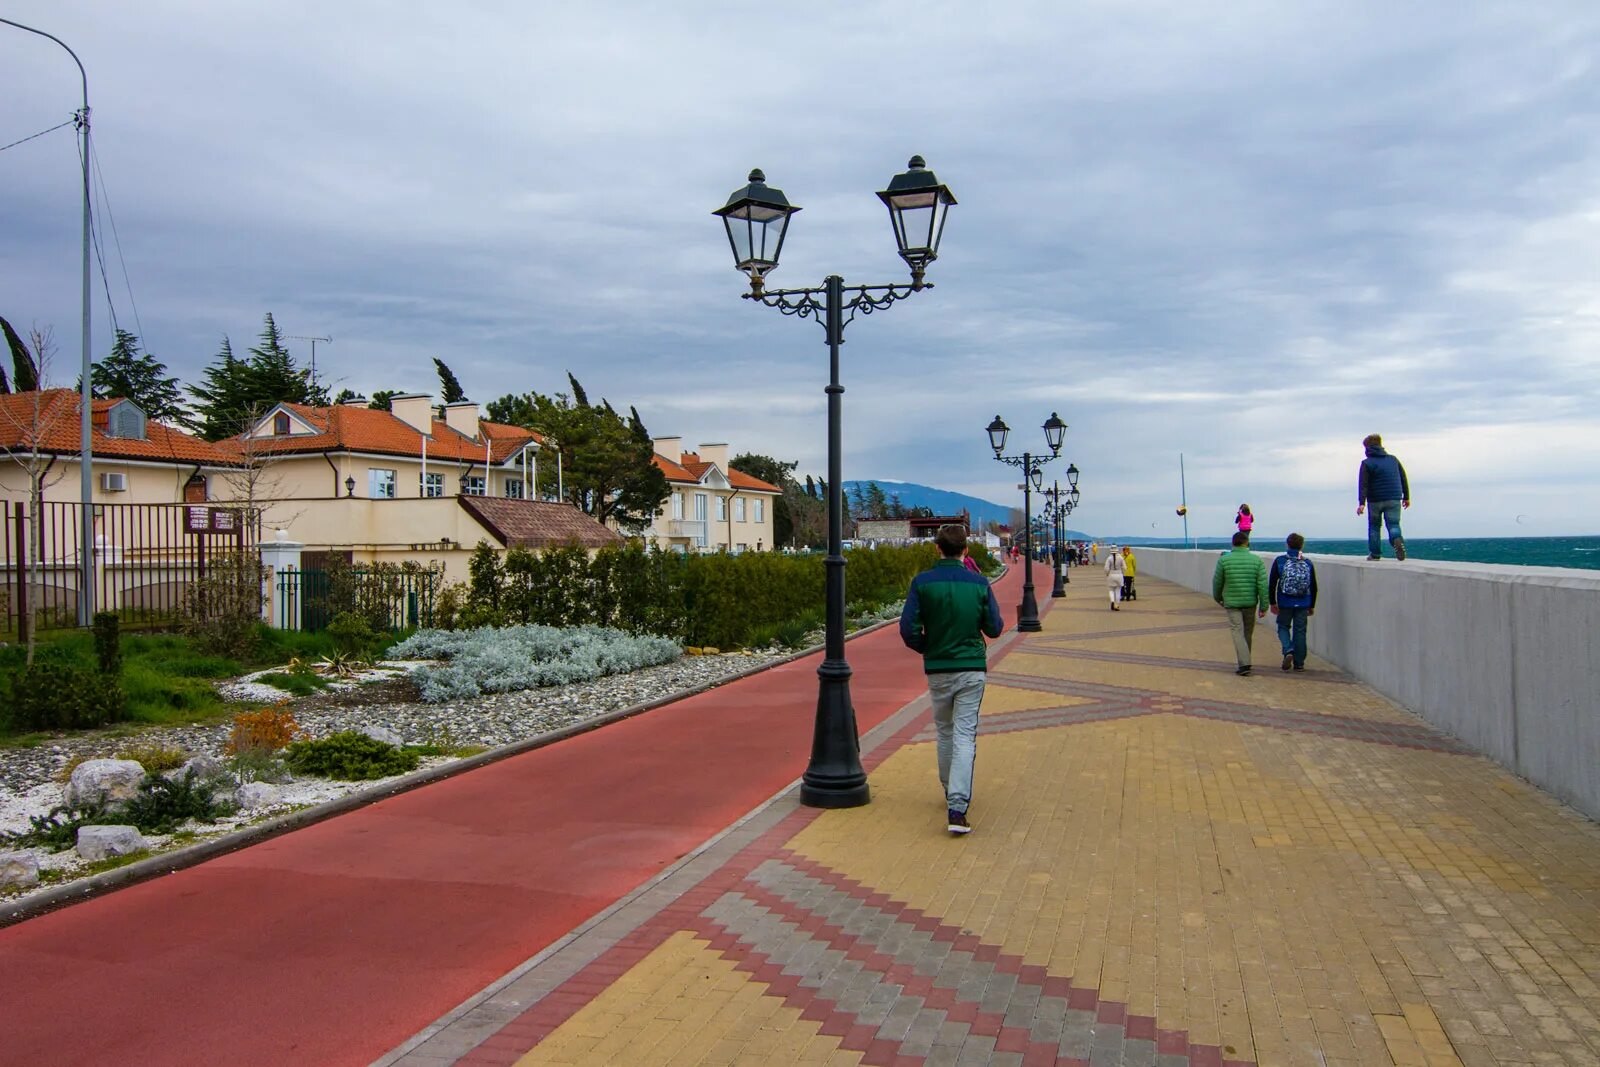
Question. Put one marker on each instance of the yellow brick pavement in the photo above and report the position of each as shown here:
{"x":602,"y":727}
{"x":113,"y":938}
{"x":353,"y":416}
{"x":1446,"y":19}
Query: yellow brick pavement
{"x":1170,"y":864}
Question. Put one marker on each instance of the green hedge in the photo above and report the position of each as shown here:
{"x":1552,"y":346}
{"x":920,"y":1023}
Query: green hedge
{"x":714,"y":599}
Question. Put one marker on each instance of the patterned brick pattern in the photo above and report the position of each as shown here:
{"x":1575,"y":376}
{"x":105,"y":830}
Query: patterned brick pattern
{"x":1190,"y":870}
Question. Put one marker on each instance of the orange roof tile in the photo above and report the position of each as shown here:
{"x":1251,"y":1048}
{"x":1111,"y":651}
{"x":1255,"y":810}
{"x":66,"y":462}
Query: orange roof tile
{"x":54,"y":428}
{"x":536,"y":523}
{"x":348,"y":428}
{"x":692,"y":469}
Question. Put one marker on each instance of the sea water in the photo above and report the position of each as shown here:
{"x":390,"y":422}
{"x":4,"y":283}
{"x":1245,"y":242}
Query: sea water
{"x":1582,"y":552}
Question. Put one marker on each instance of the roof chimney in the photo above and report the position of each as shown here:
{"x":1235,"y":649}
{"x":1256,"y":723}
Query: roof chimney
{"x":670,"y":447}
{"x":462,"y":417}
{"x":413,"y":409}
{"x":357,"y":401}
{"x":717,"y":454}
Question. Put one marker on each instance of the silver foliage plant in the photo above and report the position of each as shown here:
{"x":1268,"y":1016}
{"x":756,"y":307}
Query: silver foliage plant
{"x":509,"y":658}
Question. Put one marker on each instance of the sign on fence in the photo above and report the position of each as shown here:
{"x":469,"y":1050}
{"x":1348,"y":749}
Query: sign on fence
{"x":204,"y":520}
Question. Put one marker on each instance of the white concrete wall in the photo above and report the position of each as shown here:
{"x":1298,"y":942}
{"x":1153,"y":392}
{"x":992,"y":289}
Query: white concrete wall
{"x":1507,"y":659}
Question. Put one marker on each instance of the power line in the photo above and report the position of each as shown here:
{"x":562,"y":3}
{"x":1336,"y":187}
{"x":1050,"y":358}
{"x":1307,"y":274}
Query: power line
{"x":116,"y":239}
{"x":41,"y":133}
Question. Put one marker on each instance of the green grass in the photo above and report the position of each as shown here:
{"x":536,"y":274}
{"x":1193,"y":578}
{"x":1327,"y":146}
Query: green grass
{"x":168,"y":680}
{"x":298,"y":684}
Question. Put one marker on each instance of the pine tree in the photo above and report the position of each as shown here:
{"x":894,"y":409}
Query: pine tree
{"x":223,"y":401}
{"x":383,"y":399}
{"x":449,"y":388}
{"x":5,"y":383}
{"x":237,"y":391}
{"x":24,"y":372}
{"x":138,"y":376}
{"x":579,"y":397}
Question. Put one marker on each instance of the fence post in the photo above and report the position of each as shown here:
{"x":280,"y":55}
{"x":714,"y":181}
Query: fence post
{"x":279,"y":556}
{"x":20,"y":562}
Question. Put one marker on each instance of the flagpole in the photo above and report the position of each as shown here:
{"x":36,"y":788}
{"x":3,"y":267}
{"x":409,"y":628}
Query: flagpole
{"x":1183,"y":492}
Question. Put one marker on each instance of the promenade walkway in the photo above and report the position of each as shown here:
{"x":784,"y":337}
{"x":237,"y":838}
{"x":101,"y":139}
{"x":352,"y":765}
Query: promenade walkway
{"x":1171,"y":865}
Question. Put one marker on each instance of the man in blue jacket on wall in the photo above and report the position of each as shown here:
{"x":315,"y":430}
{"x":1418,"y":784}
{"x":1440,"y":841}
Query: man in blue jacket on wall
{"x":1381,"y":491}
{"x":949,"y":611}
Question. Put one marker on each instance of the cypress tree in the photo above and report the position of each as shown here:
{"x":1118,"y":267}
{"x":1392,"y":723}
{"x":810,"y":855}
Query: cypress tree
{"x":449,"y":388}
{"x":23,"y":369}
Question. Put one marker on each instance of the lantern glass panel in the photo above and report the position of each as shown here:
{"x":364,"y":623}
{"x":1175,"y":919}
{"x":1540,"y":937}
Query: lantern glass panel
{"x":997,"y":435}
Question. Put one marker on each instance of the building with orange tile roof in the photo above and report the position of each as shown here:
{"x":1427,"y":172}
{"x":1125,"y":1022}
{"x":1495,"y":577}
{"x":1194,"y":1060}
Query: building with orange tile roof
{"x":403,"y":484}
{"x":711,"y":506}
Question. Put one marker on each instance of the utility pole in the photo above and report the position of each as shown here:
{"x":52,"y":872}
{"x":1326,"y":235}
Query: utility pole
{"x":313,"y":340}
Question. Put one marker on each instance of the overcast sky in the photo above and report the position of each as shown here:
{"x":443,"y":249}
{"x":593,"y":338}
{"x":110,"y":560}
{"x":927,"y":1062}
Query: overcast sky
{"x":1249,"y":232}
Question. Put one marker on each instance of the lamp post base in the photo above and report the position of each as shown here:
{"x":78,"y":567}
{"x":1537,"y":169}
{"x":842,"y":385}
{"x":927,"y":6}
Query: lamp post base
{"x":1028,"y":613}
{"x":1060,"y":590}
{"x":834,"y":778}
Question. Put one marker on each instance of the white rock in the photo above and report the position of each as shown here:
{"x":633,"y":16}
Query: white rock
{"x":19,"y":869}
{"x":254,"y":795}
{"x":381,"y":733}
{"x":103,"y":842}
{"x":204,"y":768}
{"x":104,"y":781}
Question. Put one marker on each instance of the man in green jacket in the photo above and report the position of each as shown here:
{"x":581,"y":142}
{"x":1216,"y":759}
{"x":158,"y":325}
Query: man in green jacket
{"x":1239,"y":584}
{"x":949,"y":611}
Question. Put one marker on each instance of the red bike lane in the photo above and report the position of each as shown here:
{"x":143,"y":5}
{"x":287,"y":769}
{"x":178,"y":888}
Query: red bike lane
{"x":334,"y":943}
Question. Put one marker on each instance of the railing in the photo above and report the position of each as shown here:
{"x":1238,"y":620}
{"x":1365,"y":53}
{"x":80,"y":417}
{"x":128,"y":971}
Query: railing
{"x":692,"y":528}
{"x":146,"y":557}
{"x":391,"y":600}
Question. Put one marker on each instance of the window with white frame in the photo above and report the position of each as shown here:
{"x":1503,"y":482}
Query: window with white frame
{"x":701,"y":512}
{"x":473,"y":486}
{"x":761,"y":510}
{"x":722,"y":509}
{"x":380,"y":483}
{"x":513,"y":488}
{"x":677,"y":505}
{"x":738,"y":509}
{"x":432,"y":484}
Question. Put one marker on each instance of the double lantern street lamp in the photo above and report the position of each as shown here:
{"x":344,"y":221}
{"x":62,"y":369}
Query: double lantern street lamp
{"x":1032,"y":476}
{"x":757,"y":218}
{"x":1059,"y":505}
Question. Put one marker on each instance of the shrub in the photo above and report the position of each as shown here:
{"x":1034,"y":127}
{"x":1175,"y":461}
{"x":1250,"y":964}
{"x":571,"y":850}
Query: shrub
{"x":266,"y":730}
{"x":163,"y":804}
{"x":57,"y":829}
{"x":351,"y":633}
{"x":154,"y":757}
{"x":108,"y":643}
{"x":60,"y":695}
{"x":490,"y":660}
{"x":221,"y":610}
{"x":349,"y":756}
{"x":258,"y":765}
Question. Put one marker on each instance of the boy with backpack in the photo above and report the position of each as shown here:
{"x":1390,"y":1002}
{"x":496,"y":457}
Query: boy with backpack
{"x":1292,"y":592}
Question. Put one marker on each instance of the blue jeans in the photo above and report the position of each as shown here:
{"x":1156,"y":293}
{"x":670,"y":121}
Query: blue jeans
{"x":1292,"y":632}
{"x":956,"y":698}
{"x":1387,"y":512}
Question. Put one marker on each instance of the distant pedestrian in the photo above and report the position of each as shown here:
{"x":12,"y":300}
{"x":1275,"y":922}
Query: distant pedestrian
{"x":1239,"y":584}
{"x":1244,"y":520}
{"x":969,"y":563}
{"x":1292,"y":593}
{"x":1129,"y":565}
{"x":1382,"y":490}
{"x":948,"y":613}
{"x":1114,"y":573}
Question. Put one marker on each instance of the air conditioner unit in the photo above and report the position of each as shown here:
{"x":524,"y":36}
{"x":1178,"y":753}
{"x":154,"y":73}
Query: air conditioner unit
{"x":113,"y":482}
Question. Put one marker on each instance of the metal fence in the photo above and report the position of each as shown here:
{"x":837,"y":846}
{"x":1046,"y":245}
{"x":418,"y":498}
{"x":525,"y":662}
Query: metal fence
{"x":389,"y":600}
{"x":146,"y":556}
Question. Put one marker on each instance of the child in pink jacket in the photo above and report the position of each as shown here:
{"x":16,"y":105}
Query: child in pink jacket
{"x":1244,"y":520}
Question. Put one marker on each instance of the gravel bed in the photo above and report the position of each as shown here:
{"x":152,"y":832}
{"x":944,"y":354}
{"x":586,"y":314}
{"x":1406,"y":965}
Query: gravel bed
{"x":489,"y":721}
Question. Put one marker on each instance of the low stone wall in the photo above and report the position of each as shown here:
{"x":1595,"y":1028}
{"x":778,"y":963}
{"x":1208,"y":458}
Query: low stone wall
{"x":1507,"y":659}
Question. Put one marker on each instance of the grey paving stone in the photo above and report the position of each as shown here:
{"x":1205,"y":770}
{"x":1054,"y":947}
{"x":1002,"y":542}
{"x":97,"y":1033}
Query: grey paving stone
{"x":1136,"y":1053}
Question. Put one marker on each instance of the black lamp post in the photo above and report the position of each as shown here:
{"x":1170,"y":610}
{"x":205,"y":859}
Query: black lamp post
{"x":1032,"y":475}
{"x":1053,"y":512}
{"x":756,"y":218}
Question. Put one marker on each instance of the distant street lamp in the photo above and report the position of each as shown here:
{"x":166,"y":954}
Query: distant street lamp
{"x":757,"y":218}
{"x":1053,"y":512}
{"x":1032,"y":475}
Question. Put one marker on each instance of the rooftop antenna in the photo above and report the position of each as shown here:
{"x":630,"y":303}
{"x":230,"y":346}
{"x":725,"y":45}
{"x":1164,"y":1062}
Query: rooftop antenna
{"x":313,"y":340}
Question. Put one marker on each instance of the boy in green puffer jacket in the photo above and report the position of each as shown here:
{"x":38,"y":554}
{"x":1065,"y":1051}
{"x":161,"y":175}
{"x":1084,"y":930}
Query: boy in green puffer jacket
{"x":1239,"y":584}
